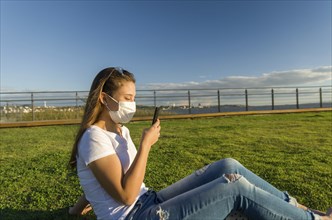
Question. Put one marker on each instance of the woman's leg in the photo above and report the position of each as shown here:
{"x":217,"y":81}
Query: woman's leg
{"x":214,"y":171}
{"x":216,"y":199}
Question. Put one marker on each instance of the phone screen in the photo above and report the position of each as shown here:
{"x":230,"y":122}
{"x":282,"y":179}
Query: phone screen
{"x":155,"y":115}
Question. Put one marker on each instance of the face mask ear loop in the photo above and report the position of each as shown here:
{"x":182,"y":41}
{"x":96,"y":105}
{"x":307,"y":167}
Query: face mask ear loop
{"x":117,"y":102}
{"x":107,"y":106}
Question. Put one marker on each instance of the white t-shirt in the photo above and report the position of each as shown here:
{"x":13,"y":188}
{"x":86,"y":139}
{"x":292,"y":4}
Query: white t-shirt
{"x":95,"y":144}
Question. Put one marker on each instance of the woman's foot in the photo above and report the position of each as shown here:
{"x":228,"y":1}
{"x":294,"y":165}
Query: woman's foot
{"x":328,"y":215}
{"x":318,"y":212}
{"x":76,"y":211}
{"x":329,"y":212}
{"x":312,"y":210}
{"x":324,"y":216}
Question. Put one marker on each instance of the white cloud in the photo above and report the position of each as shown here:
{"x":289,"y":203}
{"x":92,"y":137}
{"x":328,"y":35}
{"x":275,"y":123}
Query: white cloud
{"x":298,"y":77}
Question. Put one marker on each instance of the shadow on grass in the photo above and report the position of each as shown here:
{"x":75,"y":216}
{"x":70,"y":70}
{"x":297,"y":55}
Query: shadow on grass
{"x":59,"y":214}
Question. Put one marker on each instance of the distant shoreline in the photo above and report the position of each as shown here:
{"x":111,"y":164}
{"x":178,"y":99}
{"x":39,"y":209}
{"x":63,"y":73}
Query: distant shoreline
{"x":240,"y":108}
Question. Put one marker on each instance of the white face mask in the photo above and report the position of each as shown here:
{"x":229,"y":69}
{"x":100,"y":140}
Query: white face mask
{"x":125,"y":112}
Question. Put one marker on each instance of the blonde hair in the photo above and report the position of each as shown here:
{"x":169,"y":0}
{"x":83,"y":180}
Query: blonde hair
{"x":108,"y":80}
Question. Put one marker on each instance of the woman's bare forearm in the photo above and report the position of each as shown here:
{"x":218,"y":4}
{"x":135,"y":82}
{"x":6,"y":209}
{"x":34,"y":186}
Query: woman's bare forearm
{"x":134,"y":177}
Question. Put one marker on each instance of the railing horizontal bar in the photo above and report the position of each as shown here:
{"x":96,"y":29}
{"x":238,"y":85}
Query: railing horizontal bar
{"x":43,"y":92}
{"x":183,"y":89}
{"x":39,"y":99}
{"x":232,"y":95}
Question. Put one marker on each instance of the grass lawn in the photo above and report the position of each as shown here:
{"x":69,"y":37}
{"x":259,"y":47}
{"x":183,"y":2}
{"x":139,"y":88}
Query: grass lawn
{"x":291,"y":151}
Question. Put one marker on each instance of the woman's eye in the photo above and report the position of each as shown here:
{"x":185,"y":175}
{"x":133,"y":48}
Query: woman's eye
{"x":129,"y":98}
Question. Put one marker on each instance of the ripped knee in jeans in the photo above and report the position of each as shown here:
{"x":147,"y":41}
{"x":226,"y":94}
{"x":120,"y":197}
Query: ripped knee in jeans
{"x":232,"y":177}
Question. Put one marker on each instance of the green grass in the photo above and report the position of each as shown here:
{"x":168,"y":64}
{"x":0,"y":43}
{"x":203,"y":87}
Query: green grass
{"x":291,"y":151}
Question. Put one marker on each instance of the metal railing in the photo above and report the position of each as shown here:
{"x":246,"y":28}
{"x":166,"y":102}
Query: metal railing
{"x":52,"y":105}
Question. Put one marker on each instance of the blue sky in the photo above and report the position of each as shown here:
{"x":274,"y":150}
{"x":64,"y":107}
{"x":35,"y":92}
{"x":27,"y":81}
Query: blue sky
{"x":61,"y":45}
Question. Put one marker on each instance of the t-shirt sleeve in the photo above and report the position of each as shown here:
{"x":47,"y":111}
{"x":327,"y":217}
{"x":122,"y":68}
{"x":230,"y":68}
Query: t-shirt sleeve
{"x":94,"y":145}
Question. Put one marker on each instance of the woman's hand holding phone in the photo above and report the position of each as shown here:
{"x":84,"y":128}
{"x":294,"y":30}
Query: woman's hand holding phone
{"x":151,"y":135}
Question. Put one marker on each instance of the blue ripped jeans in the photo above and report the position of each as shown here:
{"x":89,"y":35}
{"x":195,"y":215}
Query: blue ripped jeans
{"x":209,"y":194}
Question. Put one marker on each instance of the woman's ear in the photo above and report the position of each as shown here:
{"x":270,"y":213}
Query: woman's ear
{"x":102,"y":98}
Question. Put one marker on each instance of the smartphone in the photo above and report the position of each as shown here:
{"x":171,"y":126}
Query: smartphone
{"x":155,"y":115}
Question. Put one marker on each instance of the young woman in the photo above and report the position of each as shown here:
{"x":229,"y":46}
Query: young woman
{"x":111,"y":171}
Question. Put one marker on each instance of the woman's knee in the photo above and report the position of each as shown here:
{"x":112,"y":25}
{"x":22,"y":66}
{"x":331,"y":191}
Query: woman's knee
{"x":230,"y":162}
{"x":229,"y":165}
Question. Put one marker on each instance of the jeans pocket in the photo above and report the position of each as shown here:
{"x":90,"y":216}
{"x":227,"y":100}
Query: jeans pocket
{"x":146,"y":200}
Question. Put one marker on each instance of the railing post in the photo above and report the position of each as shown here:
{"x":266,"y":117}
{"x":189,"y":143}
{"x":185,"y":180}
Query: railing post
{"x":272,"y":96}
{"x":77,"y":110}
{"x":32,"y":107}
{"x":7,"y":115}
{"x":320,"y":98}
{"x":219,"y":109}
{"x":189,"y":102}
{"x":297,"y":98}
{"x":154,"y":98}
{"x":246,"y":94}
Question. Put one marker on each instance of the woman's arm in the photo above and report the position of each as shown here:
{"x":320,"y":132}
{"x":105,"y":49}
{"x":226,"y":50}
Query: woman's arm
{"x":108,"y":170}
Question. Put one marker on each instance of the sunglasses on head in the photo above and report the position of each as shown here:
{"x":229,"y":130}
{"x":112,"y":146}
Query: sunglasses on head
{"x":118,"y":69}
